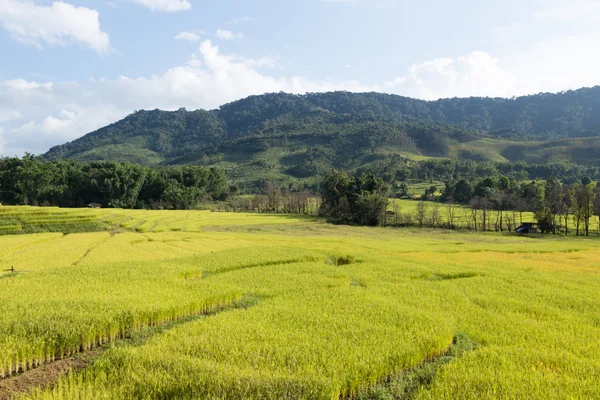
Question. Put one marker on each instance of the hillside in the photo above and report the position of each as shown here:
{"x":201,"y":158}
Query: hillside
{"x":283,"y":136}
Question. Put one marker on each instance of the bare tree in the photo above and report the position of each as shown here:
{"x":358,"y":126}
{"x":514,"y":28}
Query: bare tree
{"x":553,"y":200}
{"x":435,"y":215}
{"x":583,"y":207}
{"x":407,"y":219}
{"x":483,"y":205}
{"x":567,"y":205}
{"x":597,"y":205}
{"x":273,"y":194}
{"x":451,"y":210}
{"x":396,"y":208}
{"x":259,"y":202}
{"x":421,"y":213}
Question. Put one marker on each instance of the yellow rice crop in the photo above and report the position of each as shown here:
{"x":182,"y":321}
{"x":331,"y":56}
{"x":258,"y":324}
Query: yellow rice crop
{"x":319,"y":329}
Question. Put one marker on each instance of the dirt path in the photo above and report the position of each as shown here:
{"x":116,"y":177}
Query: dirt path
{"x":48,"y":375}
{"x":42,"y":377}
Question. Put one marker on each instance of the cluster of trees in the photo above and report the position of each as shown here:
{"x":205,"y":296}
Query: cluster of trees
{"x":396,"y":169}
{"x":556,"y":204}
{"x":361,"y":199}
{"x":32,"y":181}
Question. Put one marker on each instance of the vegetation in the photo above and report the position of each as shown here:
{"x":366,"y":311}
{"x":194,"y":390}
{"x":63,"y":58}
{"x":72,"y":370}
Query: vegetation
{"x":292,"y":140}
{"x":555,"y":205}
{"x":491,"y":204}
{"x":31,"y":181}
{"x":336,"y":311}
{"x":362,"y":200}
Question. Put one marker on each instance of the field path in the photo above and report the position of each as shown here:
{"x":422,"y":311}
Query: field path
{"x":42,"y":377}
{"x":47,"y":375}
{"x":88,"y":251}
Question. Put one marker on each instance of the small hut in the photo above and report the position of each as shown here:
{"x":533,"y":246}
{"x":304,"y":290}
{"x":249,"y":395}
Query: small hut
{"x":528,"y":228}
{"x":95,"y":205}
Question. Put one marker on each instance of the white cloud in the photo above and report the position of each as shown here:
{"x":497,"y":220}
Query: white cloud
{"x":56,"y":24}
{"x":572,"y":10}
{"x":9,"y":115}
{"x":267,"y":62}
{"x":165,"y":5}
{"x":37,"y":115}
{"x":190,"y":36}
{"x":56,"y":112}
{"x":225,"y":34}
{"x":22,"y":84}
{"x":25,"y":128}
{"x":476,"y":74}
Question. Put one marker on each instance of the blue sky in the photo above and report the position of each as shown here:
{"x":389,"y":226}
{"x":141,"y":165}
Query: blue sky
{"x":69,"y":67}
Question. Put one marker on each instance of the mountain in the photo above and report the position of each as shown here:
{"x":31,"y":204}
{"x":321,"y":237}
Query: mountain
{"x":284,"y":136}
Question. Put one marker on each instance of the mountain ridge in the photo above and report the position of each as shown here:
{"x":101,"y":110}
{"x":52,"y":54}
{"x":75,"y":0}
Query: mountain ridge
{"x":299,"y":136}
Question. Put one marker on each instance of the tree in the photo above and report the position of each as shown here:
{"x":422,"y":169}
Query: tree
{"x":463,"y":191}
{"x":584,"y":197}
{"x":430,"y":193}
{"x":273,"y":194}
{"x":334,"y":189}
{"x":596,"y":205}
{"x":421,"y":213}
{"x":361,"y":199}
{"x":567,"y":205}
{"x":451,"y":210}
{"x":553,"y":201}
{"x":370,"y":209}
{"x":482,"y":204}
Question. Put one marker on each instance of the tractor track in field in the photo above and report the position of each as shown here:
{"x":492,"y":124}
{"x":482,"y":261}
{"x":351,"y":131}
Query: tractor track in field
{"x":47,"y":376}
{"x":41,"y":377}
{"x":88,"y":251}
{"x":404,"y":385}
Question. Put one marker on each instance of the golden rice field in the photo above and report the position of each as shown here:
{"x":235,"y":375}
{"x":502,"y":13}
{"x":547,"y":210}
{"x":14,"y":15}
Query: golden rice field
{"x":298,"y":309}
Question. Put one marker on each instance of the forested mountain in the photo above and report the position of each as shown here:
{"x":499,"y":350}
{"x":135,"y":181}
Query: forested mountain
{"x":281,"y":135}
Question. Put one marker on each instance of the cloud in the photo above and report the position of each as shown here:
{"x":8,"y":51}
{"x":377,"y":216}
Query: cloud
{"x":224,"y":34}
{"x":56,"y":24}
{"x":9,"y":115}
{"x":1,"y":140}
{"x":165,"y":5}
{"x":192,"y":37}
{"x":22,"y":84}
{"x":57,"y":112}
{"x":267,"y":62}
{"x":38,"y":115}
{"x":475,"y":74}
{"x":568,"y":11}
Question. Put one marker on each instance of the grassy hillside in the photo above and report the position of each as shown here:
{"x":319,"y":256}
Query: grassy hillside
{"x":287,"y":137}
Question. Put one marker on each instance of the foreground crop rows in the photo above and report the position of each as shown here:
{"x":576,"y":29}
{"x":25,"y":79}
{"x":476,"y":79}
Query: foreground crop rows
{"x":317,"y":328}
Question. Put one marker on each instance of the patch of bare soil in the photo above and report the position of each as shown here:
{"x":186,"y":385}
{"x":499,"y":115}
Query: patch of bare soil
{"x":41,"y":377}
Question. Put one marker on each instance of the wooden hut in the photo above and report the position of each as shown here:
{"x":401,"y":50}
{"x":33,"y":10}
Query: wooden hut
{"x":527,"y":228}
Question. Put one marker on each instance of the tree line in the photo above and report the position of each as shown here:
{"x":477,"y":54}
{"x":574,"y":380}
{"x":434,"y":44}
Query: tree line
{"x":32,"y":181}
{"x":496,"y":204}
{"x":556,"y":205}
{"x":493,"y":203}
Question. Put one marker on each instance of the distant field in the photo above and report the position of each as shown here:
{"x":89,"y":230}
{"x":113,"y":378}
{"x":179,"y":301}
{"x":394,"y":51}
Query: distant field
{"x":14,"y":220}
{"x":223,"y":305}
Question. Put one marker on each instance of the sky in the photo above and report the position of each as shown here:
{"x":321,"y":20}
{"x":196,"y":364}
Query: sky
{"x":70,"y":67}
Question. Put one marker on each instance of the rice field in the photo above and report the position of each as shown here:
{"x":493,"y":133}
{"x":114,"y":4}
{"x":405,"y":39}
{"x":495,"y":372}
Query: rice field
{"x":276,"y":307}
